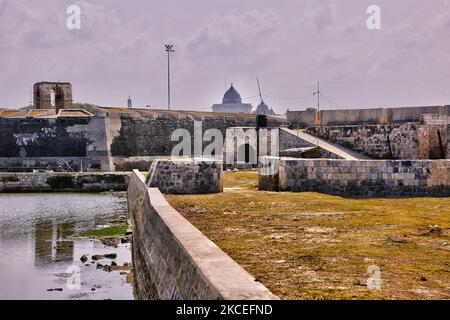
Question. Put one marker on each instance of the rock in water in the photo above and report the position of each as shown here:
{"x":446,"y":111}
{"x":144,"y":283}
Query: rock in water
{"x":110,"y":256}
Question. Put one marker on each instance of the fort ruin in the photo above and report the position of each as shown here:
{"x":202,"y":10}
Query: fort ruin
{"x":377,"y":153}
{"x":122,"y":139}
{"x":49,"y":95}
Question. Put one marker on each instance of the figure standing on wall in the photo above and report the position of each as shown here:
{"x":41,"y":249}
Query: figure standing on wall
{"x":130,"y":104}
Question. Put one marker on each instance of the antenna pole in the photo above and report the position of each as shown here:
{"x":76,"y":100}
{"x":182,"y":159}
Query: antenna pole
{"x":318,"y":101}
{"x":259,"y":89}
{"x":318,"y":96}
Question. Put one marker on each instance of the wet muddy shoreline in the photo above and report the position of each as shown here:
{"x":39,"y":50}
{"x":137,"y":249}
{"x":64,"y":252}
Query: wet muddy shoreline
{"x":44,"y":256}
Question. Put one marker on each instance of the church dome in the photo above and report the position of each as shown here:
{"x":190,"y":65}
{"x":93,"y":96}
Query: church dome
{"x":263,"y":109}
{"x":232,"y":96}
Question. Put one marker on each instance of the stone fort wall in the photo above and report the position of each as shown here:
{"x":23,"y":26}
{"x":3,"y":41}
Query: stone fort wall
{"x":52,"y":144}
{"x":63,"y":182}
{"x":186,"y":176}
{"x":411,"y":141}
{"x":112,"y":139}
{"x":362,"y":178}
{"x":172,"y":260}
{"x":310,"y":118}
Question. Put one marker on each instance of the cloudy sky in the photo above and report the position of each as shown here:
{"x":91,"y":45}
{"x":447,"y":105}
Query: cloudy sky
{"x":289,"y":44}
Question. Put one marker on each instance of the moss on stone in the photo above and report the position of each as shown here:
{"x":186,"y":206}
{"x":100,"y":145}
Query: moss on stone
{"x":61,"y":181}
{"x":9,"y":178}
{"x":106,"y":232}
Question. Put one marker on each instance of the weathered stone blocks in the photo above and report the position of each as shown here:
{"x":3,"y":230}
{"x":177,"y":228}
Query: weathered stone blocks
{"x":63,"y":182}
{"x":172,"y":260}
{"x":186,"y":176}
{"x":393,"y":141}
{"x":363,"y":178}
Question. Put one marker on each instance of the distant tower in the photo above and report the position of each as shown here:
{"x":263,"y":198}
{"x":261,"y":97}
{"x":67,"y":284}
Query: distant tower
{"x":130,"y":103}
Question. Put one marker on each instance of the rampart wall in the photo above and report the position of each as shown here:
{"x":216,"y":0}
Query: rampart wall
{"x":172,"y":260}
{"x":359,"y":178}
{"x":63,"y":182}
{"x":310,"y":118}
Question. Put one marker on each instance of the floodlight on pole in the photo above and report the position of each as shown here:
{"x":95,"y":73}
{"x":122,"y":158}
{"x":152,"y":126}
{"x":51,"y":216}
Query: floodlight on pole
{"x":169,"y":50}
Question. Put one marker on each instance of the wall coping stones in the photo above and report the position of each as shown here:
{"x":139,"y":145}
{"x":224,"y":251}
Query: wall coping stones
{"x":359,"y":178}
{"x":64,"y":182}
{"x":203,"y":270}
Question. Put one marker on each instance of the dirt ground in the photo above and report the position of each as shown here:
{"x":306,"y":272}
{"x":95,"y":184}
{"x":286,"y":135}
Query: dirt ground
{"x":315,"y":246}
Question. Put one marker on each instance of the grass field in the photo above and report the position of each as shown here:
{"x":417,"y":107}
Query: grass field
{"x":315,"y":246}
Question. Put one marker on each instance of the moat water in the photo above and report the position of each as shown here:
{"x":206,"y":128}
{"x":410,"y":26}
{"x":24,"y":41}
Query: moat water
{"x":40,"y":250}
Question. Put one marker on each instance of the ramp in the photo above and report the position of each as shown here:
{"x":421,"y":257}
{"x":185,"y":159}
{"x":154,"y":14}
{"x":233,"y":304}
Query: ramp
{"x":336,"y":149}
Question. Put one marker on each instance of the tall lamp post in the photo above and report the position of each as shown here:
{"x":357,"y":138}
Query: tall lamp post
{"x":169,"y":50}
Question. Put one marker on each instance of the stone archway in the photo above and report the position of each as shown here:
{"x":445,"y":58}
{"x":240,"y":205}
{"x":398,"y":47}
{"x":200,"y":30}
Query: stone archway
{"x":52,"y":95}
{"x":247,"y":153}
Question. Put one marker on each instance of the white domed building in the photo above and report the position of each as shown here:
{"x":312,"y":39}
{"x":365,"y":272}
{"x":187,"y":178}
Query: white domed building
{"x":263,"y":109}
{"x":232,"y":102}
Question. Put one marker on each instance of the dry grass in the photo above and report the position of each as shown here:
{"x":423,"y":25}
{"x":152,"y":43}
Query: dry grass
{"x":315,"y":246}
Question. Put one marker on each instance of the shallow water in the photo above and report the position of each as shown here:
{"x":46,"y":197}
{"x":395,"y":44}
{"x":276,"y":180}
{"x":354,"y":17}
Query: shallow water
{"x":39,"y":252}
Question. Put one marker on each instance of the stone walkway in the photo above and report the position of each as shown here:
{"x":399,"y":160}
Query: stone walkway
{"x":336,"y":149}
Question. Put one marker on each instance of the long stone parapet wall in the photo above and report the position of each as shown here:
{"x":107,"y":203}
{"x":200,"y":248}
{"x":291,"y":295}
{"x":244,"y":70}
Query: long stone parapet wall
{"x":112,"y":139}
{"x":186,"y":176}
{"x":393,"y":141}
{"x":174,"y":260}
{"x":311,"y":117}
{"x":358,"y":178}
{"x":63,"y":182}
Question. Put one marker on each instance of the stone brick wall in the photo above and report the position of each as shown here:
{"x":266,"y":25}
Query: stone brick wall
{"x":63,"y":182}
{"x":439,"y":133}
{"x":289,"y":141}
{"x":151,"y":135}
{"x":110,"y":140}
{"x":435,"y":119}
{"x":57,"y":164}
{"x":405,"y":141}
{"x":363,"y":178}
{"x":60,"y":144}
{"x":172,"y":260}
{"x":310,"y":118}
{"x":30,"y":137}
{"x":186,"y":176}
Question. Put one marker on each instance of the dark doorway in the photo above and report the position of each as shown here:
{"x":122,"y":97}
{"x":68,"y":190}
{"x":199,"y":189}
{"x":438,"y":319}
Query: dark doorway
{"x":59,"y":98}
{"x":248,"y":152}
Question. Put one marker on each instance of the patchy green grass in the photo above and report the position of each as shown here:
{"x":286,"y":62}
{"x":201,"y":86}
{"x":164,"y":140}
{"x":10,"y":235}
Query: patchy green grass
{"x":106,"y":232}
{"x":316,"y":246}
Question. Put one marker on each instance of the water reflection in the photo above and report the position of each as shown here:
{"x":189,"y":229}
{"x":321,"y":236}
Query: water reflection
{"x":37,"y":246}
{"x":52,"y":244}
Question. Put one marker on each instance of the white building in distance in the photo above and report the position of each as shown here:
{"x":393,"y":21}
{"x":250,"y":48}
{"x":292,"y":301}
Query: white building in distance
{"x":232,"y":102}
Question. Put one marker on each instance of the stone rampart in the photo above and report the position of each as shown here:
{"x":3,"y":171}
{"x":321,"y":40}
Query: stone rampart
{"x":63,"y":182}
{"x":360,"y":178}
{"x":113,"y":139}
{"x":373,"y":116}
{"x":409,"y":141}
{"x":186,"y":176}
{"x":173,"y":260}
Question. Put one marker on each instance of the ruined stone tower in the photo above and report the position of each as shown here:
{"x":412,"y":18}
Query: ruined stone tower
{"x":62,"y":91}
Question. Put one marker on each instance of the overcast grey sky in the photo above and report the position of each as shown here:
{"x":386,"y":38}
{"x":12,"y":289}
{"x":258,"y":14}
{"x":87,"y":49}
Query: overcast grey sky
{"x":289,"y":44}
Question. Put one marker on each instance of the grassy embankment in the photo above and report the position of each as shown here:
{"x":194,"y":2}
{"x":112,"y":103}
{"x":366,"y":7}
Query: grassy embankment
{"x":315,"y":246}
